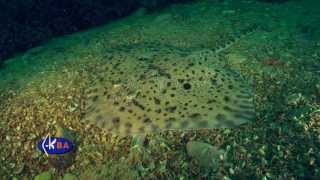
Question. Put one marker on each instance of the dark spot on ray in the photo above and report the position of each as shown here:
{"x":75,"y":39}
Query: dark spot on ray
{"x":121,"y":109}
{"x":116,"y":65}
{"x":128,"y":125}
{"x":221,"y":117}
{"x":136,"y":103}
{"x":167,"y":103}
{"x":115,"y":120}
{"x":187,"y":86}
{"x":180,"y":80}
{"x":95,"y":90}
{"x":130,"y":110}
{"x":146,"y":120}
{"x":115,"y":103}
{"x":226,"y":98}
{"x":214,"y":82}
{"x":227,"y":108}
{"x":164,"y":91}
{"x":95,"y":98}
{"x":171,"y":109}
{"x":230,"y":86}
{"x":158,"y":110}
{"x":170,"y":119}
{"x":172,"y":95}
{"x":195,"y":115}
{"x":100,"y":79}
{"x":156,"y":100}
{"x":191,"y":64}
{"x":211,"y":101}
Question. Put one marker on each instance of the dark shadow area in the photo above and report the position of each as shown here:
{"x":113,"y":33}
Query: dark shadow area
{"x":26,"y":24}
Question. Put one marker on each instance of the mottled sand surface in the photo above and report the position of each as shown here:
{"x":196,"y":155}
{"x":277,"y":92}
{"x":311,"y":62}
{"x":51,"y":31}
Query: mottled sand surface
{"x":240,"y":75}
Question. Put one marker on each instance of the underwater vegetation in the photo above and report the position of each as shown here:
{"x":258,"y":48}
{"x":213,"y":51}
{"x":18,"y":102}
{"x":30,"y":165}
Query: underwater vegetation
{"x":204,"y":90}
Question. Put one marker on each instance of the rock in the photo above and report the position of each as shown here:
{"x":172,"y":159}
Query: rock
{"x":205,"y":154}
{"x":44,"y":176}
{"x":69,"y":176}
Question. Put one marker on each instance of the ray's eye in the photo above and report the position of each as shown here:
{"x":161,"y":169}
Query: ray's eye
{"x":186,"y":86}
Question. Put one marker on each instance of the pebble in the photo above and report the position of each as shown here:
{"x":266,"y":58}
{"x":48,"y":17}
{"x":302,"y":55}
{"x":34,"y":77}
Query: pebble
{"x":44,"y":176}
{"x":69,"y":176}
{"x":205,"y":154}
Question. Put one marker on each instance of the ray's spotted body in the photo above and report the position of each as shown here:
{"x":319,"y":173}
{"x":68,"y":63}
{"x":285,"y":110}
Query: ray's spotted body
{"x":165,"y":91}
